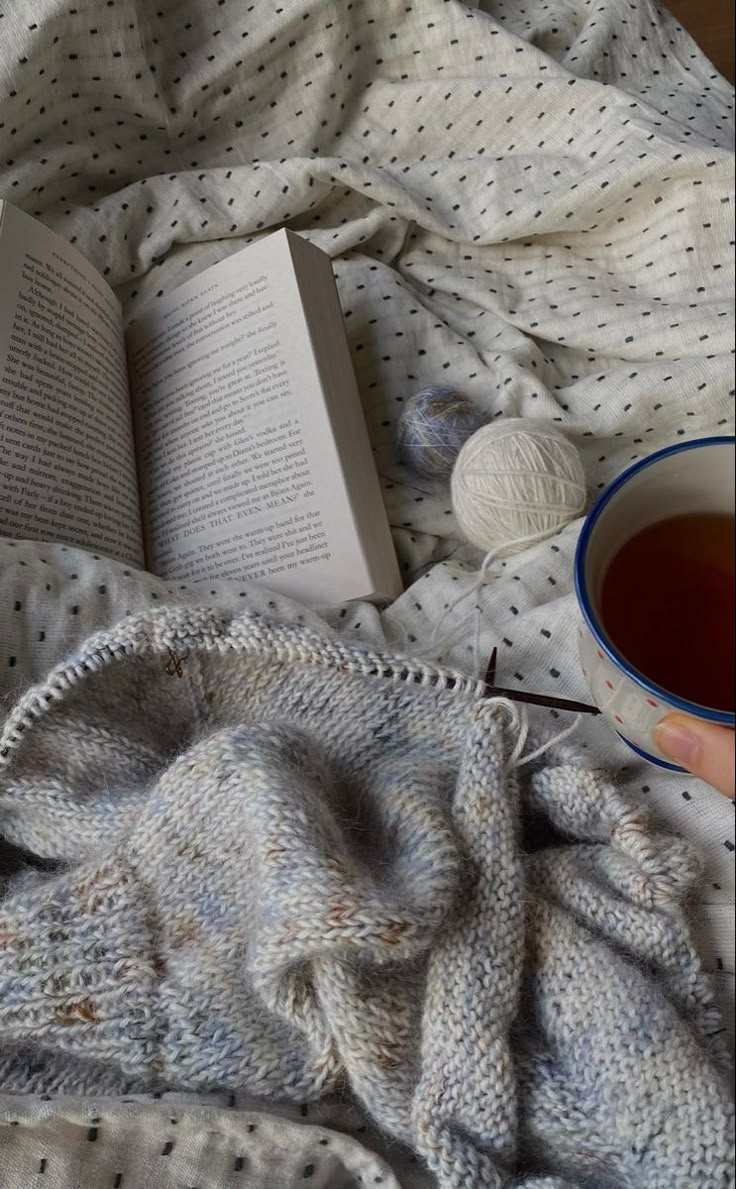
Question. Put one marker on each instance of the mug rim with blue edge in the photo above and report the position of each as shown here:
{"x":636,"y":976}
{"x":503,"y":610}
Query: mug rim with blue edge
{"x":695,"y":709}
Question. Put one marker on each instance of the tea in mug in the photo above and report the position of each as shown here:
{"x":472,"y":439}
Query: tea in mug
{"x":667,"y":605}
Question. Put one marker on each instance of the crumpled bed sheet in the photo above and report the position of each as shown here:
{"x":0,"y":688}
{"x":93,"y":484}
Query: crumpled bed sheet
{"x":534,"y":203}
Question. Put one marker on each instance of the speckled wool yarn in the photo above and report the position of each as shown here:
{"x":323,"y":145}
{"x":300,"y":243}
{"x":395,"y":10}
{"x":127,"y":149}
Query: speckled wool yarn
{"x":435,"y":425}
{"x":516,"y":482}
{"x":249,"y":894}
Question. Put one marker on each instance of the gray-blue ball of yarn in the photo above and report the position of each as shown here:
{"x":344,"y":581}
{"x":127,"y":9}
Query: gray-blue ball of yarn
{"x":435,"y":424}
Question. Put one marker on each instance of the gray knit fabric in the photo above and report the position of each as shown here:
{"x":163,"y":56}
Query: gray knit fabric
{"x":277,"y":864}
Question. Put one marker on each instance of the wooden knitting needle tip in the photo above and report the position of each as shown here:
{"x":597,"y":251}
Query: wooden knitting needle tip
{"x":514,"y":695}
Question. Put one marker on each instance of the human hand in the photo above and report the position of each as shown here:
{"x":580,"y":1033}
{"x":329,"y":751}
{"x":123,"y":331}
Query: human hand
{"x":704,"y":748}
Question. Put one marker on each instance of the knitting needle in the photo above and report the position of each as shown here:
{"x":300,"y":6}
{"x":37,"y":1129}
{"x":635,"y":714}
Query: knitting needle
{"x":492,"y":690}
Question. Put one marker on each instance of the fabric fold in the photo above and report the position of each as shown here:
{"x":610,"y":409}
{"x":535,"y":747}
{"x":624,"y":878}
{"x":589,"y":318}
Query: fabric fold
{"x":291,"y":902}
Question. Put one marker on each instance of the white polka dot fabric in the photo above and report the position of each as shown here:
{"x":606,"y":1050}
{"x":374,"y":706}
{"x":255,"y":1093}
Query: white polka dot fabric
{"x":531,"y":202}
{"x":172,"y":1143}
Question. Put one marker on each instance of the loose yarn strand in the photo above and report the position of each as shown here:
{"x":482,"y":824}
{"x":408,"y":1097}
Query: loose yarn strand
{"x":518,"y":723}
{"x":540,"y":751}
{"x":522,"y":728}
{"x":481,"y":580}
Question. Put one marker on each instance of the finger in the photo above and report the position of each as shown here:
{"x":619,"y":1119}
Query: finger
{"x":703,"y":748}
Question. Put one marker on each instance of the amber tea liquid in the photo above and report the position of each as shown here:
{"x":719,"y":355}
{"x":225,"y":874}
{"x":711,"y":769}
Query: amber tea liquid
{"x":667,"y":604}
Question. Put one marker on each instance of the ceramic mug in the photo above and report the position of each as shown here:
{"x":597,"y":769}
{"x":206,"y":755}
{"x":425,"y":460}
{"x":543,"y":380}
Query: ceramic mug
{"x":696,"y":476}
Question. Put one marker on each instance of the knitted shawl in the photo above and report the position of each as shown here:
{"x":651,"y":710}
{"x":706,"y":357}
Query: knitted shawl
{"x":260,"y":858}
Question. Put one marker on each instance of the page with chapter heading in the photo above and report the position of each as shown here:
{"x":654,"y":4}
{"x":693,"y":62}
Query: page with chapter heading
{"x":67,"y":463}
{"x":238,"y":468}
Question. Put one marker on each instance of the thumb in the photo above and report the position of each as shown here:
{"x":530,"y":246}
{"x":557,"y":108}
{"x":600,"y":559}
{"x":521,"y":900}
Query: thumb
{"x":705,"y":749}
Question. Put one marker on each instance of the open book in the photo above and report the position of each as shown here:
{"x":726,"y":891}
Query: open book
{"x":220,"y":436}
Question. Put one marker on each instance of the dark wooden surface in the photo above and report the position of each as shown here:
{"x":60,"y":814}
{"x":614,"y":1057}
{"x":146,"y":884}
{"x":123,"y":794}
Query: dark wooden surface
{"x":711,"y":24}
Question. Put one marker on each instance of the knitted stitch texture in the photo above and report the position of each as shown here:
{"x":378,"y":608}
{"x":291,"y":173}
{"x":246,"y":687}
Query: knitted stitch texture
{"x":282,"y":864}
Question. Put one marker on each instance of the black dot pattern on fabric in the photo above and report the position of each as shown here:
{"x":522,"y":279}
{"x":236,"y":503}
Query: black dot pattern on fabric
{"x":532,"y":202}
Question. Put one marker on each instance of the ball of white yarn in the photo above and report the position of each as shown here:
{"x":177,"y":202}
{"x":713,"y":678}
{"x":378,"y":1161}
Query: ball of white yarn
{"x":516,"y":482}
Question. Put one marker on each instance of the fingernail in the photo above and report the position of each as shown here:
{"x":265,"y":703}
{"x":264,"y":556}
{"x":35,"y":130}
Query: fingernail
{"x":678,"y":743}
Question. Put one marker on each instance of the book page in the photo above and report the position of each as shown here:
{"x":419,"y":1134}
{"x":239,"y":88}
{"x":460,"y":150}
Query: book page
{"x":238,"y":468}
{"x":67,"y":463}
